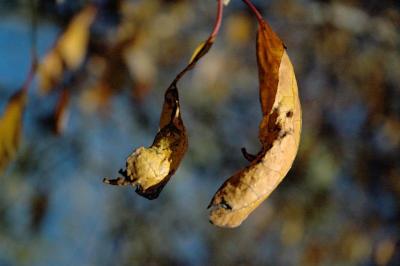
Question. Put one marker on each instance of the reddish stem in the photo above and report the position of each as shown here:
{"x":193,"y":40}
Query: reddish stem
{"x":218,"y":22}
{"x":255,"y":11}
{"x":209,"y":41}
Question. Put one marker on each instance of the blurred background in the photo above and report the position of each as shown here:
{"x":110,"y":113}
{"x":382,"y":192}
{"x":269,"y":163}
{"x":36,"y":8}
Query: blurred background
{"x":339,"y":204}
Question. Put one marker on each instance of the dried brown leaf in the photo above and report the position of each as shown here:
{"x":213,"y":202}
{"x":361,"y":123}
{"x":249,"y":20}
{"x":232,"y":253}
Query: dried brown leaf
{"x":10,"y":127}
{"x":149,"y":169}
{"x":279,"y":135}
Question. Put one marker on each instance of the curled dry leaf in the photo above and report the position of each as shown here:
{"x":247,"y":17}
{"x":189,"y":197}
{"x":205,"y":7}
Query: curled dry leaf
{"x":10,"y":127}
{"x":279,"y":135}
{"x":149,"y":169}
{"x":68,"y":52}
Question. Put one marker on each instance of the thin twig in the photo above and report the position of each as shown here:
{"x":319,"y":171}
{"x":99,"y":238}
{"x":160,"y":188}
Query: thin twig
{"x":255,"y":11}
{"x":207,"y":45}
{"x":218,"y":21}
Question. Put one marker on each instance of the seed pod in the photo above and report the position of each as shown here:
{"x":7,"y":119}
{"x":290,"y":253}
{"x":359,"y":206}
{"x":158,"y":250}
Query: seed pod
{"x":149,"y":169}
{"x":279,"y":135}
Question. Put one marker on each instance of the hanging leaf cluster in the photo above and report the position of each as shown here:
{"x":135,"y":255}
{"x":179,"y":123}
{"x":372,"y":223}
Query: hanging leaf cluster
{"x":148,"y":169}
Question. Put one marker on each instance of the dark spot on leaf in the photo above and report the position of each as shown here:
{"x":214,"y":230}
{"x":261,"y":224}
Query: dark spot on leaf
{"x":225,"y":204}
{"x":289,"y":114}
{"x":124,"y":173}
{"x":284,"y":134}
{"x":273,"y":125}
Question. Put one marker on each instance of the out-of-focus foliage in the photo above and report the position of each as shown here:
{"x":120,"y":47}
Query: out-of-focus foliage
{"x":10,"y":127}
{"x":61,"y":113}
{"x":69,"y":50}
{"x":338,"y":205}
